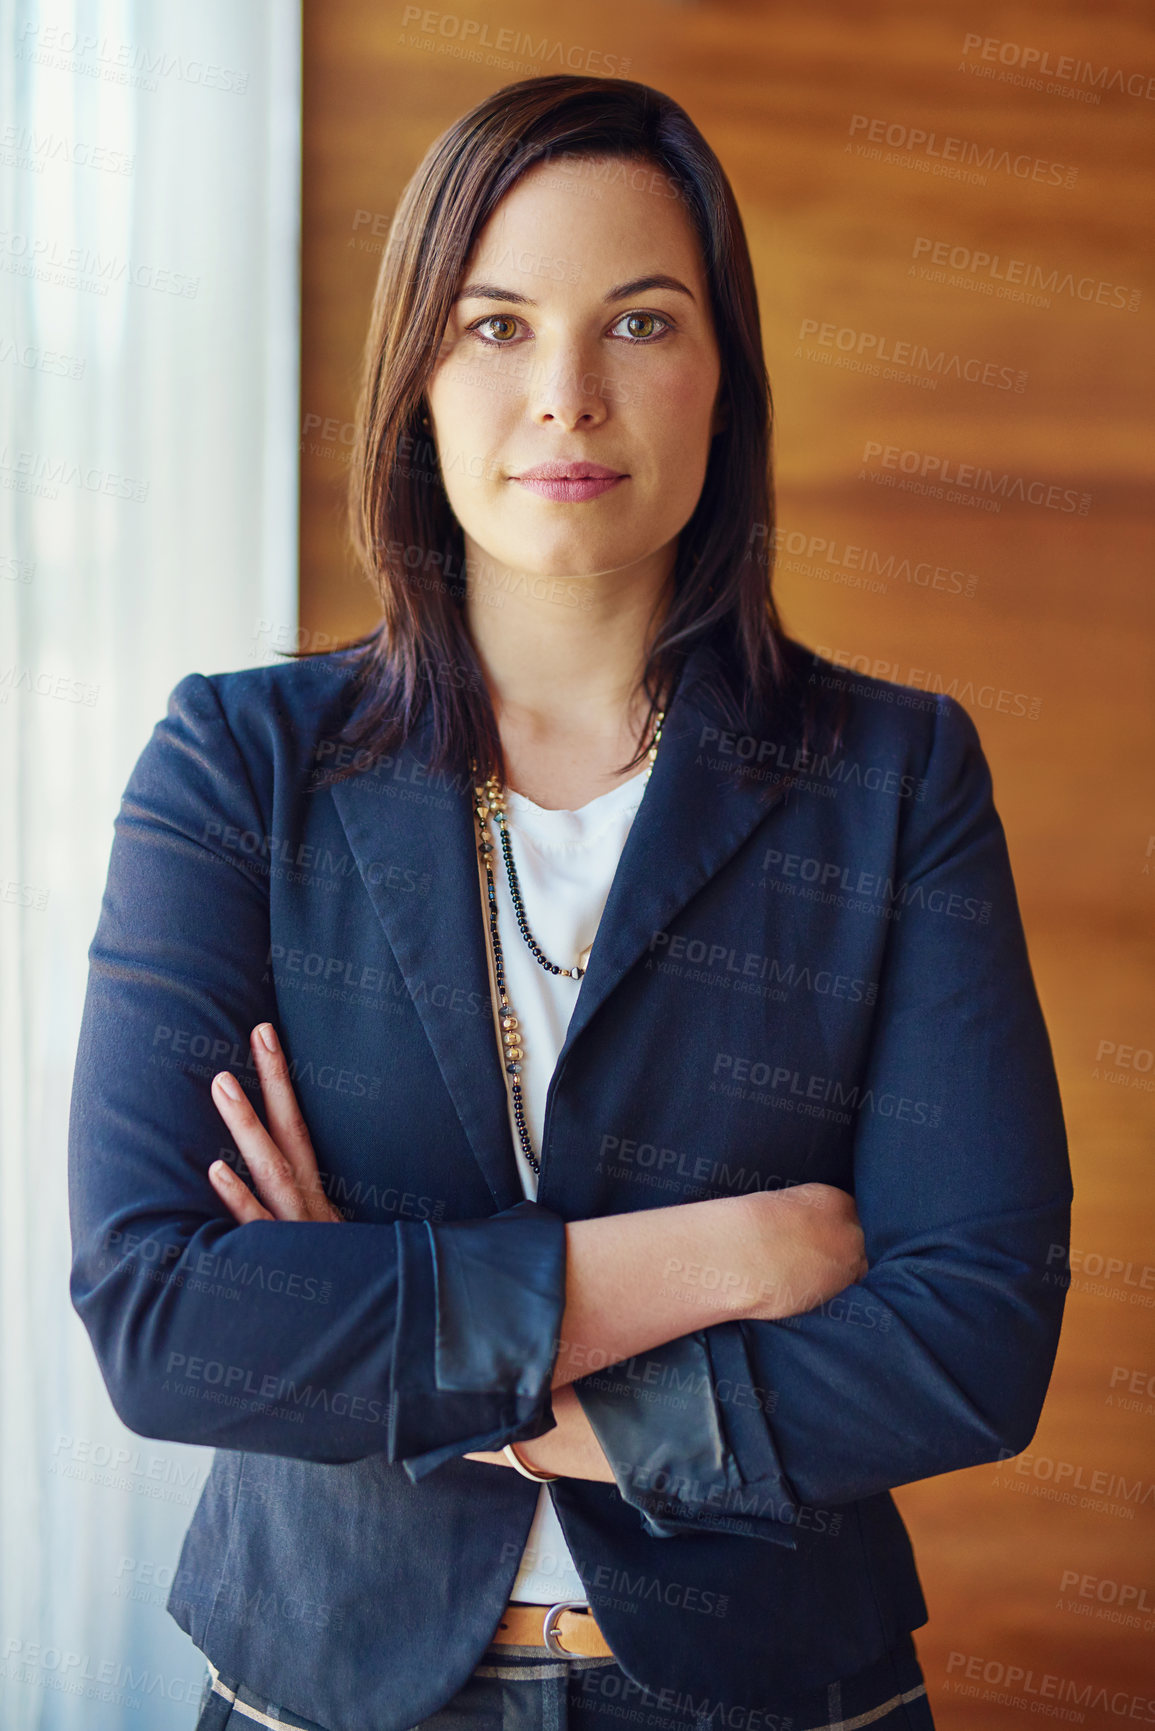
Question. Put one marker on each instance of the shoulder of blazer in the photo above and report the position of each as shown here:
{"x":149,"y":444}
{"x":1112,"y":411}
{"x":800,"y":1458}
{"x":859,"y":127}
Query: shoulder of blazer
{"x":310,"y":692}
{"x":280,"y":716}
{"x":842,"y":713}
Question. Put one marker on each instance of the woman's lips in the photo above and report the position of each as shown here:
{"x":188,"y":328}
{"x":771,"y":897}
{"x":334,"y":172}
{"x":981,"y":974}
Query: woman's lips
{"x":568,"y":490}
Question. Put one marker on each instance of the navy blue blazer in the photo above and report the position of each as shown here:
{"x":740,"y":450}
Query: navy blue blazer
{"x":810,"y":966}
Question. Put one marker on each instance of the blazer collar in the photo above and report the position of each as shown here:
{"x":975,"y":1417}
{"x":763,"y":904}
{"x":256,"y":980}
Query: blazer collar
{"x":403,"y":826}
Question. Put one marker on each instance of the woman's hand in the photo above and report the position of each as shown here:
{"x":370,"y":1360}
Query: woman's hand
{"x":281,"y":1158}
{"x":571,"y":1449}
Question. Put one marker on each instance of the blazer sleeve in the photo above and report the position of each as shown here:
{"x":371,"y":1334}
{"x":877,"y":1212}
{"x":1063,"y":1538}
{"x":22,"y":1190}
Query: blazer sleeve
{"x":940,"y":1357}
{"x":417,"y":1340}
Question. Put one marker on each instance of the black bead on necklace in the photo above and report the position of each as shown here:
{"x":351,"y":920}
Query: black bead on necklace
{"x":490,"y":800}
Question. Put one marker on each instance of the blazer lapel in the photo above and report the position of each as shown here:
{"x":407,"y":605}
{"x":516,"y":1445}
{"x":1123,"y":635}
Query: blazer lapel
{"x":694,"y":816}
{"x":401,"y":821}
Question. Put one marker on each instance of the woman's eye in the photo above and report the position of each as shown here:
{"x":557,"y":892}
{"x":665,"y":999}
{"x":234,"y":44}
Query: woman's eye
{"x":498,"y":330}
{"x":500,"y":339}
{"x":648,"y":320}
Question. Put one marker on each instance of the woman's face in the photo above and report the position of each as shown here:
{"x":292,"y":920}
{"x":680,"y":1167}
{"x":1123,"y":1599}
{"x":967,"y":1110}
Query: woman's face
{"x":562,"y":349}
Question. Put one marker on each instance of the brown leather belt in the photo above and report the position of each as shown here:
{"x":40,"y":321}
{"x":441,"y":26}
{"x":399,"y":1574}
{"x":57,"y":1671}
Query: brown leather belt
{"x":567,"y":1630}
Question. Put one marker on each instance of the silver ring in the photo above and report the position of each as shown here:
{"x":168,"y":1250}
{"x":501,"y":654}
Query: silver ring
{"x":549,"y":1623}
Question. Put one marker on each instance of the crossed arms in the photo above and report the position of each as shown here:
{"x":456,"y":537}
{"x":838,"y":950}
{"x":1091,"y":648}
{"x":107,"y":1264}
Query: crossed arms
{"x":450,"y":1339}
{"x":770,"y":1254}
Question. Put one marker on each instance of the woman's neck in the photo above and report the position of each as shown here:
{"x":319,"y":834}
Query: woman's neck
{"x":563,"y":658}
{"x":563,"y":772}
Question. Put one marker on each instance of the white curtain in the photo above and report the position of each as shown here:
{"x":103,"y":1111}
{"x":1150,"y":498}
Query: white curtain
{"x":149,"y":237}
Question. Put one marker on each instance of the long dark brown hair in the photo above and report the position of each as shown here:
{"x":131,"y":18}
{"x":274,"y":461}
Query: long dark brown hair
{"x":404,"y":534}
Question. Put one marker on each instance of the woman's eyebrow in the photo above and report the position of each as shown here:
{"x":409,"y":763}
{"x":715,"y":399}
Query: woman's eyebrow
{"x":484,"y":291}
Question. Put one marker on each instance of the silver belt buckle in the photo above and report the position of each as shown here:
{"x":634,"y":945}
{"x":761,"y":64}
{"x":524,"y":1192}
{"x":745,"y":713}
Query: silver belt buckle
{"x":549,"y":1626}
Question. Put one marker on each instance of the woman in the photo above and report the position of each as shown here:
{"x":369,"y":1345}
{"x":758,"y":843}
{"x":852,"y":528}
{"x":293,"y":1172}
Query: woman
{"x":563,"y":1309}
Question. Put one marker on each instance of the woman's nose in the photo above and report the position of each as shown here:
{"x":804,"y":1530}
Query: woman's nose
{"x":566,"y":386}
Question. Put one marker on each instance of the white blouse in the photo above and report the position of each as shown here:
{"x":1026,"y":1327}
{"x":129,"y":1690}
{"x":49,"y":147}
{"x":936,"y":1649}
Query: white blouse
{"x":565,"y":862}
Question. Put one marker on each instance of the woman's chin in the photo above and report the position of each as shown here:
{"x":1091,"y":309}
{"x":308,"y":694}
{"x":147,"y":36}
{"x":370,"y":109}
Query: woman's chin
{"x":567,"y":559}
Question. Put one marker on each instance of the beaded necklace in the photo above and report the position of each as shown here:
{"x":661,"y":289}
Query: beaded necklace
{"x":490,"y":801}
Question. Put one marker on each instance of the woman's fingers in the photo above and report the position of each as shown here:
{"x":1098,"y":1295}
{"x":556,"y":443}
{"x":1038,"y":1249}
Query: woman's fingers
{"x":236,"y":1195}
{"x":272,"y":1173}
{"x":286,"y":1122}
{"x":280,"y":1157}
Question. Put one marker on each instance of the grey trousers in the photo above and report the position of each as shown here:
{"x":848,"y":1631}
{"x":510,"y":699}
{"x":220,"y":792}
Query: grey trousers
{"x":519,"y":1689}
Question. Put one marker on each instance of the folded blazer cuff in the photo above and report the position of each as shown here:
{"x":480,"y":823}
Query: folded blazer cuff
{"x":477,"y":1329}
{"x":683,"y":1429}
